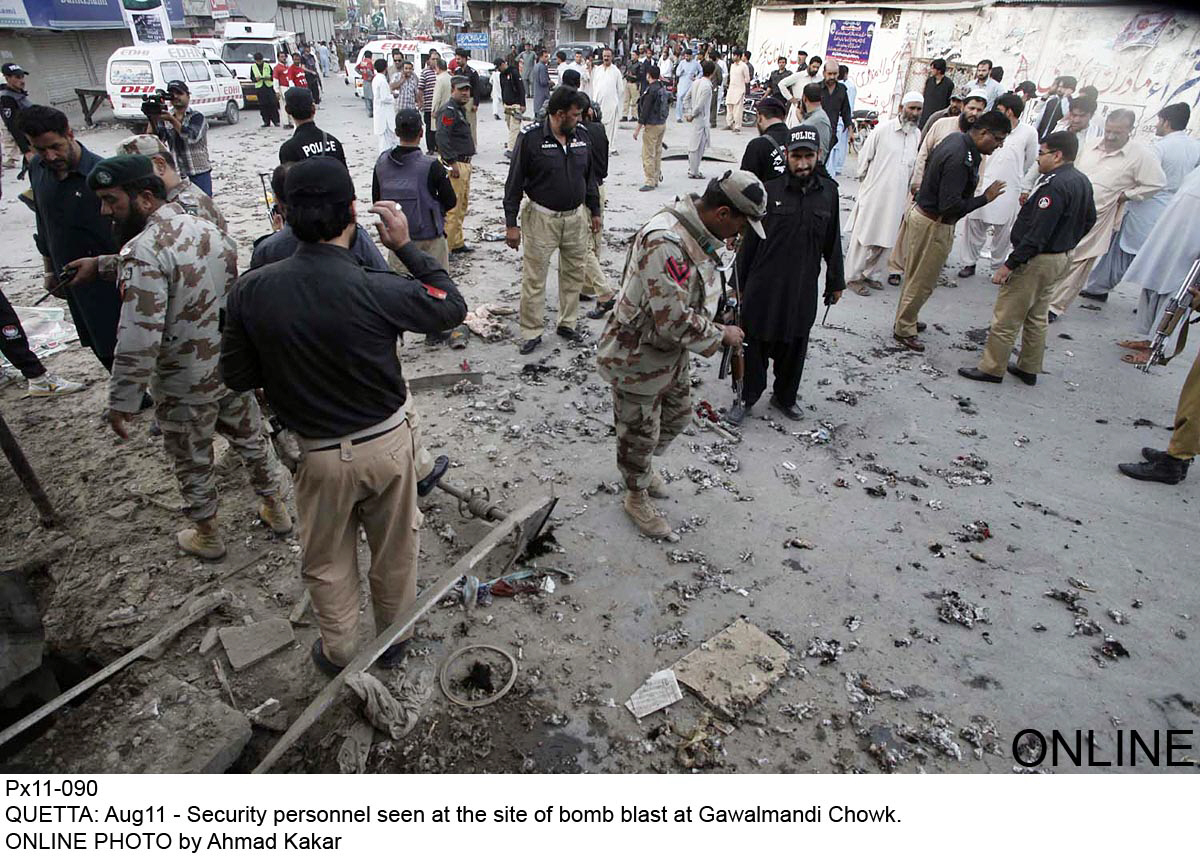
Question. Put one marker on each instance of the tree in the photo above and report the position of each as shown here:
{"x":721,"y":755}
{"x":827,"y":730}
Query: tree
{"x":727,"y":22}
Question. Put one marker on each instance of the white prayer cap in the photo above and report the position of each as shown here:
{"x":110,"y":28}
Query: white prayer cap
{"x":977,"y":93}
{"x":912,"y":97}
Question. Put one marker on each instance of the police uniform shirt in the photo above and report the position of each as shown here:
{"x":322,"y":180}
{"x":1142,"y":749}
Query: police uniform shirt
{"x":557,"y":177}
{"x":454,"y":141}
{"x":951,"y":176}
{"x":1059,"y":212}
{"x":765,"y":156}
{"x":309,"y":142}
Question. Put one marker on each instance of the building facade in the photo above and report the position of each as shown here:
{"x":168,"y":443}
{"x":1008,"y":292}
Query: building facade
{"x":1137,"y":57}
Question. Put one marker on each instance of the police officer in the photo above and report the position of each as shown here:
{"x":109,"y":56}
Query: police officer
{"x":13,"y":99}
{"x":778,"y":272}
{"x":552,"y":165}
{"x":766,"y":155}
{"x":318,"y":332}
{"x":456,"y":147}
{"x":664,"y":311}
{"x":1171,"y":466}
{"x":946,"y":194}
{"x":1059,"y":212}
{"x":307,"y":141}
{"x":174,"y":272}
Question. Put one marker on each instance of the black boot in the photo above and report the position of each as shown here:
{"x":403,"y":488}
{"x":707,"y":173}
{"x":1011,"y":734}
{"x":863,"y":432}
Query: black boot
{"x":1153,"y":455}
{"x":440,"y":465}
{"x":1169,"y":470}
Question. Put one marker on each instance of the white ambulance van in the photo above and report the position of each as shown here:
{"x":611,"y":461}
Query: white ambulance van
{"x":418,"y":53}
{"x":140,"y":70}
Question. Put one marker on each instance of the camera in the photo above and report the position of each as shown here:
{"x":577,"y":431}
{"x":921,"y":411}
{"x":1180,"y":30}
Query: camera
{"x":156,"y":105}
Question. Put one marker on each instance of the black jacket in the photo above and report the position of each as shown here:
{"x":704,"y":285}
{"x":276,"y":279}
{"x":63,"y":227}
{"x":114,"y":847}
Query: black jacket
{"x":554,"y":178}
{"x":765,"y":156}
{"x":778,"y":275}
{"x":512,"y":88}
{"x":318,"y":333}
{"x":308,"y":142}
{"x":951,"y":176}
{"x":653,"y":106}
{"x":599,"y":150}
{"x":1059,"y":212}
{"x":12,"y":102}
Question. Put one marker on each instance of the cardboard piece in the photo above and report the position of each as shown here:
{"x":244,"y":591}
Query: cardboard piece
{"x":730,"y":671}
{"x":660,"y":690}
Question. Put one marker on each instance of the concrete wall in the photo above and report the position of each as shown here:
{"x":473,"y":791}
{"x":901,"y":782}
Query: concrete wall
{"x":1037,"y":43}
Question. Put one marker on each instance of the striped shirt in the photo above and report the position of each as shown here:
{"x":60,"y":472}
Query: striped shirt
{"x":406,"y":95}
{"x":425,"y":88}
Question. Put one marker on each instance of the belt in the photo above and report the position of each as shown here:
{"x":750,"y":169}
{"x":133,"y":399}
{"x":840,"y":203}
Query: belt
{"x":554,"y":213}
{"x":932,"y":216}
{"x":387,"y":425}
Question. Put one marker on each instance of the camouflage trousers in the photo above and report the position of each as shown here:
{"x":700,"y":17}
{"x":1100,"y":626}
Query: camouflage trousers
{"x":647,"y":423}
{"x":187,"y":432}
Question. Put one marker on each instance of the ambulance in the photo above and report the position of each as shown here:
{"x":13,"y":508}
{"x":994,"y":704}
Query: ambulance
{"x":138,"y":71}
{"x":418,"y":52}
{"x":243,"y":39}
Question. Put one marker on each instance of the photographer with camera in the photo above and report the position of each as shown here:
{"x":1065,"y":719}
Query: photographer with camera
{"x":185,"y":132}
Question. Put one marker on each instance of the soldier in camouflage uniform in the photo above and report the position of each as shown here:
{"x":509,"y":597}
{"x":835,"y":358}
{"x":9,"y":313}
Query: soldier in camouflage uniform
{"x":174,"y":271}
{"x":665,"y":310}
{"x":180,"y":190}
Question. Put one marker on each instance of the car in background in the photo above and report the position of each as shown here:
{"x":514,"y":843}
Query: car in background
{"x":594,"y":48}
{"x":418,"y":52}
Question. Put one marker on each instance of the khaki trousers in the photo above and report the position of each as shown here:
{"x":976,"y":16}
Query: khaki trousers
{"x":541,"y":235}
{"x":1185,"y":441}
{"x":652,"y":136}
{"x":513,"y":116}
{"x":595,"y":282}
{"x":456,"y":216}
{"x":629,"y":103}
{"x":437,"y":248}
{"x":1074,"y":281}
{"x":1021,"y":307}
{"x":373,"y":485}
{"x":12,"y":153}
{"x":928,"y":245}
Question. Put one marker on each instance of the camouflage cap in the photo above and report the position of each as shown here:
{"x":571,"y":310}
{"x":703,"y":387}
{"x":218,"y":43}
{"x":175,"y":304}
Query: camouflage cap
{"x":120,"y":170}
{"x":142,"y":144}
{"x":747,"y":195}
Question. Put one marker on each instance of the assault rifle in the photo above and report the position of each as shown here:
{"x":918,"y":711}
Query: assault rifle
{"x":1175,"y":313}
{"x":729,"y":312}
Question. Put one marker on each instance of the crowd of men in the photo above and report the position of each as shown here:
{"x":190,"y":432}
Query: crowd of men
{"x":142,"y":255}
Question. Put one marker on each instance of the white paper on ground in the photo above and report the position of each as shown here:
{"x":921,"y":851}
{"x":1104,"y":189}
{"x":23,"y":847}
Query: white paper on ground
{"x":661,"y":689}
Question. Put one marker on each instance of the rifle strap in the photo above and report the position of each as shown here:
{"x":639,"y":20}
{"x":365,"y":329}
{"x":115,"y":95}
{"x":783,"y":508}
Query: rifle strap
{"x":1181,"y":342}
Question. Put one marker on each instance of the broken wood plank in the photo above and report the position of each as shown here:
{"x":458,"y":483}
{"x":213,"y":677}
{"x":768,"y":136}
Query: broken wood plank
{"x":526,"y":523}
{"x":180,"y":621}
{"x":245,"y":646}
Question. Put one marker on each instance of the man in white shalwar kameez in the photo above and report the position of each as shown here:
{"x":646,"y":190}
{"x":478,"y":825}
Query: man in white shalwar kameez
{"x":385,"y":109}
{"x":1162,"y":264}
{"x":607,"y":86}
{"x":885,"y":165}
{"x":1009,"y":165}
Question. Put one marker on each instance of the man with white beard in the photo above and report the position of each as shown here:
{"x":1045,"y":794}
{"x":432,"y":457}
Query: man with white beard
{"x":1009,"y":165}
{"x":885,"y":165}
{"x":607,"y":86}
